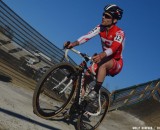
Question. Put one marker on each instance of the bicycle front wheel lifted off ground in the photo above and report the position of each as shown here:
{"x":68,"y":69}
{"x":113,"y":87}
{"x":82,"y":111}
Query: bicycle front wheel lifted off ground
{"x":51,"y":96}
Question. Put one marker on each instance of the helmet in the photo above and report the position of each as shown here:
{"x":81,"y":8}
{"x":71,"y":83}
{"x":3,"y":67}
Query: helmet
{"x":114,"y":11}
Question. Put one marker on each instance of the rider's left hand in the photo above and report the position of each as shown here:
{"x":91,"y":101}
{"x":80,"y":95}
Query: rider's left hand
{"x":67,"y":45}
{"x":70,"y":45}
{"x":99,"y":57}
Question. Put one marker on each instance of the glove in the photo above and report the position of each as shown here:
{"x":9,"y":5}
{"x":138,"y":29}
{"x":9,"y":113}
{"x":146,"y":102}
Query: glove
{"x":68,"y":45}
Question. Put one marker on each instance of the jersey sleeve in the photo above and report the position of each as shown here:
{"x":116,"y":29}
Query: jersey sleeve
{"x":88,"y":36}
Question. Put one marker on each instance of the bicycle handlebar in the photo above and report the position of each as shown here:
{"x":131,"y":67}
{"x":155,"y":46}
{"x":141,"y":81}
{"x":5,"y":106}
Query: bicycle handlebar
{"x":84,"y":56}
{"x":75,"y":51}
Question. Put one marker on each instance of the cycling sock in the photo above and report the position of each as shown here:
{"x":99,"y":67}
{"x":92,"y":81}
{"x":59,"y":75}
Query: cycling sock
{"x":98,"y":86}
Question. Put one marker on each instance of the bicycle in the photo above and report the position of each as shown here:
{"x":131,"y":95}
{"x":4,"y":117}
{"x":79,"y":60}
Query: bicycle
{"x":59,"y":92}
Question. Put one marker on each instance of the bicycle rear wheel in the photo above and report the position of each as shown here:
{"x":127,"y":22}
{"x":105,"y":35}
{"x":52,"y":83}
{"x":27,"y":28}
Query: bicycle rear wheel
{"x":51,"y":95}
{"x":87,"y":122}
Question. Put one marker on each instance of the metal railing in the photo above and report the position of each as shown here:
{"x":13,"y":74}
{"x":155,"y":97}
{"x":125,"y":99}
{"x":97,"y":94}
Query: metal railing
{"x":23,"y":48}
{"x":135,"y":94}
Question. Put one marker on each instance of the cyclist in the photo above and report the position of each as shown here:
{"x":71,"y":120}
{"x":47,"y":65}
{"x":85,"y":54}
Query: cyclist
{"x":109,"y":62}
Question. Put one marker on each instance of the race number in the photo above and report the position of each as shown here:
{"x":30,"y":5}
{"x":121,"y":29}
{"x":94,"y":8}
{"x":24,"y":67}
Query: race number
{"x":118,"y":38}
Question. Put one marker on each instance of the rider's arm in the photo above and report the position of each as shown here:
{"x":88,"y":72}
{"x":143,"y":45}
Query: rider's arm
{"x":76,"y":43}
{"x":107,"y":52}
{"x":88,"y":36}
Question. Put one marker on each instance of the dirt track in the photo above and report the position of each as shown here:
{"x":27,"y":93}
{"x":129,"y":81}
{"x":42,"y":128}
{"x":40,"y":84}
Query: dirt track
{"x":16,"y":113}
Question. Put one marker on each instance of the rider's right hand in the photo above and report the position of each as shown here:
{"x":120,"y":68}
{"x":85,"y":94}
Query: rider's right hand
{"x":68,"y":45}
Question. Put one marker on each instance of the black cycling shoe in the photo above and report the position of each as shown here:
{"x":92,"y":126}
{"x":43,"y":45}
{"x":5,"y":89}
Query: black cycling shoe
{"x":92,"y":96}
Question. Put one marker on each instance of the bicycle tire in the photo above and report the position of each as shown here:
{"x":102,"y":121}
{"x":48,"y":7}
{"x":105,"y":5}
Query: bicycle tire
{"x":82,"y":123}
{"x":43,"y":88}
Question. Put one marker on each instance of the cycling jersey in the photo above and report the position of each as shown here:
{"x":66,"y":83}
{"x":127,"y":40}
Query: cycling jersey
{"x":112,"y":41}
{"x":112,"y":44}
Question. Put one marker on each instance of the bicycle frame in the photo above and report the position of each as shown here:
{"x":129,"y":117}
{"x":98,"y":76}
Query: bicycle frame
{"x":81,"y":72}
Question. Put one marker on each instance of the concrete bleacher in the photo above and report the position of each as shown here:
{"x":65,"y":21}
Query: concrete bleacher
{"x":23,"y":48}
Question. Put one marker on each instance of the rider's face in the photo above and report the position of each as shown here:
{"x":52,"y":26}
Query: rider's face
{"x":106,"y":19}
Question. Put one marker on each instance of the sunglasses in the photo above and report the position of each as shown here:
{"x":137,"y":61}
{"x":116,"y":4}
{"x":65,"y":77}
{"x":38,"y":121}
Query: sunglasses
{"x":107,"y":16}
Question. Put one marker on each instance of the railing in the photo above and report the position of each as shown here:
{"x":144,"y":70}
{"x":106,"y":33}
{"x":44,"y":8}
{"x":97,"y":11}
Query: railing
{"x":23,"y":48}
{"x":135,"y":94}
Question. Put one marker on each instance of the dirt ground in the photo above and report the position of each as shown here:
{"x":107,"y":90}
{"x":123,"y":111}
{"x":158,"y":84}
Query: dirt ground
{"x":16,"y":113}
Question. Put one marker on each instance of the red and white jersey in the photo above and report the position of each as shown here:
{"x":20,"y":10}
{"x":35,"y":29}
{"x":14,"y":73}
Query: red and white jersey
{"x":112,"y":40}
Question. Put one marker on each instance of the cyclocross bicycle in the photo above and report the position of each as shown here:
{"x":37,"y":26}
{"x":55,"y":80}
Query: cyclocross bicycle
{"x":59,"y":93}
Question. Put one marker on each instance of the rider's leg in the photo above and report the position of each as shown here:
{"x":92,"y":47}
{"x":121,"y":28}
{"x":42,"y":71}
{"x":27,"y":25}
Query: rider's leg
{"x":102,"y":72}
{"x":104,"y":67}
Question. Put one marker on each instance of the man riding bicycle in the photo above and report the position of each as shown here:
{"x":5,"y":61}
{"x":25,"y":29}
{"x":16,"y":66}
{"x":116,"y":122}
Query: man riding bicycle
{"x":109,"y":62}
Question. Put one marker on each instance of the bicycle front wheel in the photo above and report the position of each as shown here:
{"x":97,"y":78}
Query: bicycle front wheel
{"x":54,"y":91}
{"x":87,"y":122}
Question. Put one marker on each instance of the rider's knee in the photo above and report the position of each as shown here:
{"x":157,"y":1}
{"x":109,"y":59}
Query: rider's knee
{"x":108,"y":65}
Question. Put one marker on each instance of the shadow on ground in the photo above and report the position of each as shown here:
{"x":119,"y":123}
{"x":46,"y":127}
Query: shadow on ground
{"x":21,"y":117}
